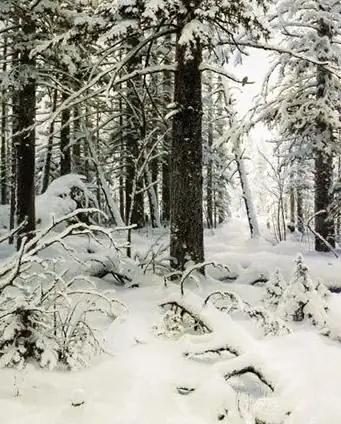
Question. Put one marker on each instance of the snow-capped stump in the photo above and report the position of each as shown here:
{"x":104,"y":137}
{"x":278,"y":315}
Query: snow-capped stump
{"x":269,"y":410}
{"x":221,"y":272}
{"x":100,"y":262}
{"x":64,"y":195}
{"x":78,"y":397}
{"x":216,"y":400}
{"x":253,"y":277}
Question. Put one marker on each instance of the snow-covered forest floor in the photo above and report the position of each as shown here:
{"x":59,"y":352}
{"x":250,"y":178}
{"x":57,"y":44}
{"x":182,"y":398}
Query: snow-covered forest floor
{"x":145,"y":376}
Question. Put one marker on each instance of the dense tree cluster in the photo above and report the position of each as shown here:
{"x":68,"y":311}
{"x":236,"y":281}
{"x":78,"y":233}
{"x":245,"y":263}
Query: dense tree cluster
{"x":135,"y":95}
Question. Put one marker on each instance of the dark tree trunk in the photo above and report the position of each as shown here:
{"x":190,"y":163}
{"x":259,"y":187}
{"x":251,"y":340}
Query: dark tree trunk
{"x":209,"y":182}
{"x":134,"y":182}
{"x":122,"y":163}
{"x":324,"y":224}
{"x":76,"y":143}
{"x":26,"y":140}
{"x":3,"y":152}
{"x":186,"y":239}
{"x":299,"y":210}
{"x":154,"y":173}
{"x":65,"y":149}
{"x":14,"y":144}
{"x":49,"y":147}
{"x":292,"y":202}
{"x":167,"y":141}
{"x":165,"y":214}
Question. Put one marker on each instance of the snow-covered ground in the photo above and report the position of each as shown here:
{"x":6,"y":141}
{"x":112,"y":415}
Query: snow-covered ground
{"x":139,"y":378}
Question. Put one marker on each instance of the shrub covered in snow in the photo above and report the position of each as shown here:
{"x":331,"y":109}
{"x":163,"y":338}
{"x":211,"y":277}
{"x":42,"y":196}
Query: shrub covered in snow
{"x":45,"y":316}
{"x":49,"y":322}
{"x":64,"y":195}
{"x":304,"y":298}
{"x":274,"y":289}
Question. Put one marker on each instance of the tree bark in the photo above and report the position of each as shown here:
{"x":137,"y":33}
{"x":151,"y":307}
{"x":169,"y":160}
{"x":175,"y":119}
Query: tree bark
{"x":292,"y":202}
{"x":299,"y":209}
{"x":167,"y":141}
{"x":209,"y":182}
{"x":65,"y":149}
{"x":3,"y":152}
{"x":186,"y":239}
{"x":324,"y":224}
{"x":134,"y":193}
{"x":26,"y":139}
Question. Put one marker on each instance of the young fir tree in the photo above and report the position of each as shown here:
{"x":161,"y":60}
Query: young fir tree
{"x":274,"y":289}
{"x":304,"y":299}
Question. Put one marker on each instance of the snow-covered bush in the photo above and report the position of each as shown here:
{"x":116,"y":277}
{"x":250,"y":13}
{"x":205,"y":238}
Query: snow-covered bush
{"x":64,"y":195}
{"x":155,"y":258}
{"x":44,"y":315}
{"x":304,"y":298}
{"x":176,"y":322}
{"x":274,"y":289}
{"x":50,"y":327}
{"x":230,"y":303}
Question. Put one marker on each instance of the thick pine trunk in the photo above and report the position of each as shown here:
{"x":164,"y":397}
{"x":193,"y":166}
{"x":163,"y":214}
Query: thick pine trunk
{"x":134,"y":182}
{"x":26,"y":140}
{"x":186,"y":239}
{"x":165,"y":193}
{"x":324,"y":224}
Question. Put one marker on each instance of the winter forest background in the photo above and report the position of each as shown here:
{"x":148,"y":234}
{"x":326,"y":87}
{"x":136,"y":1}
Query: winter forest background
{"x":170,"y":176}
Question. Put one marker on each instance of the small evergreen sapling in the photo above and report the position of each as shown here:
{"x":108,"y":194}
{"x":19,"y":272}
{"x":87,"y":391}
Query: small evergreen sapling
{"x":304,"y":299}
{"x":274,"y":289}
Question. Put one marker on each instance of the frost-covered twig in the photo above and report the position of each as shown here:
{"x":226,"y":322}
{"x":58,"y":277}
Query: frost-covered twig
{"x":12,"y":232}
{"x":193,"y":268}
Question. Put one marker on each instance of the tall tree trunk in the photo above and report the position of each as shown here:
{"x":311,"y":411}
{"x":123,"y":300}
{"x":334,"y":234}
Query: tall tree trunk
{"x":3,"y":150}
{"x":49,"y":147}
{"x":299,"y":209}
{"x":186,"y":238}
{"x":324,"y":224}
{"x":65,"y":149}
{"x":76,"y":141}
{"x":134,"y":193}
{"x":167,"y":141}
{"x":26,"y":140}
{"x":14,"y":144}
{"x":209,"y":182}
{"x":292,"y":202}
{"x":152,"y":177}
